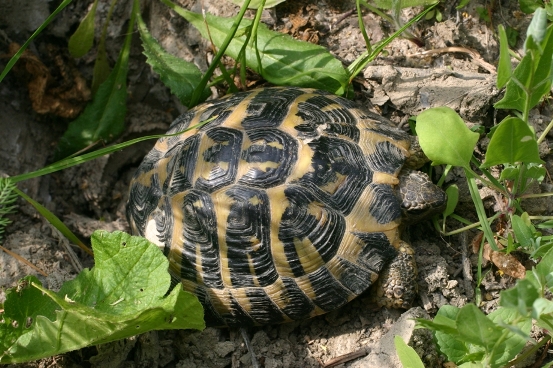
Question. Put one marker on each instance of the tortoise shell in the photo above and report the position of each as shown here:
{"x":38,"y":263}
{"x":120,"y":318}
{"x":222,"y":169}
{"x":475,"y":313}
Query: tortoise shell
{"x":281,"y":207}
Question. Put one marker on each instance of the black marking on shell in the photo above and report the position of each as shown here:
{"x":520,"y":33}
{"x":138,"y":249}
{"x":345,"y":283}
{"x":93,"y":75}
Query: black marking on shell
{"x":385,"y":206}
{"x":299,"y":305}
{"x":262,"y":310}
{"x":181,"y":122}
{"x":180,"y":168}
{"x":336,"y":121}
{"x":386,"y":128}
{"x":164,"y":220}
{"x":297,"y":223}
{"x":238,"y":316}
{"x":353,"y":277}
{"x":335,"y":159}
{"x":269,"y":108}
{"x":247,"y":238}
{"x":387,"y":158}
{"x":228,"y":143}
{"x":376,"y":250}
{"x":285,"y":157}
{"x":142,"y":201}
{"x":329,"y":293}
{"x":199,"y":233}
{"x":218,"y":109}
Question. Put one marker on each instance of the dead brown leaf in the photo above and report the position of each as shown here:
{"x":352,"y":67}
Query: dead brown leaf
{"x":64,"y":96}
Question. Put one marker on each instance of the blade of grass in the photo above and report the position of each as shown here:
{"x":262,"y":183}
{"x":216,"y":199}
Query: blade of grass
{"x":54,"y":220}
{"x":480,"y":211}
{"x":68,"y":162}
{"x":359,"y":64}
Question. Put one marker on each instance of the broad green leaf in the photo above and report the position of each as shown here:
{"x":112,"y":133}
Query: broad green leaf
{"x":103,"y":119}
{"x":538,"y":25}
{"x":123,"y":295}
{"x":447,"y":337}
{"x":81,"y":41}
{"x":516,"y":339}
{"x":282,"y":59}
{"x":521,"y":297}
{"x":512,"y":142}
{"x":545,"y":269}
{"x":504,"y":66}
{"x":542,"y":312}
{"x":523,"y":232}
{"x":531,"y":79}
{"x":475,"y":328}
{"x":407,"y":355}
{"x":254,"y":4}
{"x":179,"y":75}
{"x":444,"y":137}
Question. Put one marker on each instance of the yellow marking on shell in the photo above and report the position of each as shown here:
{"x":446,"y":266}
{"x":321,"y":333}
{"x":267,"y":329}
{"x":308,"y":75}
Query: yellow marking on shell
{"x":254,"y":201}
{"x":278,"y":204}
{"x":359,"y":219}
{"x":220,"y":300}
{"x":303,"y":164}
{"x":276,"y":292}
{"x":368,"y":140}
{"x":242,"y":299}
{"x":239,"y":112}
{"x":275,"y":145}
{"x":308,"y":255}
{"x":221,"y":206}
{"x":305,"y":286}
{"x":332,"y":187}
{"x":385,"y":178}
{"x":253,"y":271}
{"x":177,"y":241}
{"x":256,"y":243}
{"x":203,"y":169}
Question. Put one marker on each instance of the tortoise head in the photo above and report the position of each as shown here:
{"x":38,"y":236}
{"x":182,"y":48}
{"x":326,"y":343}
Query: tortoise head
{"x":420,"y":198}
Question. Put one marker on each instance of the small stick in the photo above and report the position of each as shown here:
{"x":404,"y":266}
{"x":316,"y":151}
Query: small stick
{"x":246,"y":338}
{"x":472,"y":53}
{"x":346,"y":358}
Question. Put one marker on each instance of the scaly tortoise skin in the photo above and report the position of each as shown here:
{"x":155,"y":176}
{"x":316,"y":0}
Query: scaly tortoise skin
{"x":281,"y":208}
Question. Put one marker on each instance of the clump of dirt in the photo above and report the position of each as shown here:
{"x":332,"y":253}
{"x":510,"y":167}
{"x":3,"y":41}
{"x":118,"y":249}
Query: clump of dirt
{"x":454,"y":67}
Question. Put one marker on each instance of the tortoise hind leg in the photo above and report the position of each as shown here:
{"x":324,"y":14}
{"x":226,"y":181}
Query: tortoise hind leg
{"x":397,"y":284}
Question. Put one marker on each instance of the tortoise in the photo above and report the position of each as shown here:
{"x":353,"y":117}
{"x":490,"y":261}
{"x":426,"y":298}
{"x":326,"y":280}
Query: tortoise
{"x":285,"y":204}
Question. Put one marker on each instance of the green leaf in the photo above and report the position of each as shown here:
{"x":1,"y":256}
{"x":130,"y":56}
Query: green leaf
{"x":180,"y":76}
{"x":513,"y":142}
{"x":104,"y":118}
{"x":81,"y":41}
{"x":254,"y":4}
{"x":444,"y":137}
{"x":462,"y":4}
{"x":524,"y":231}
{"x":282,"y":59}
{"x":474,"y":327}
{"x":531,"y":79}
{"x":521,"y":297}
{"x":447,"y":337}
{"x":529,"y":6}
{"x":125,"y":294}
{"x":536,"y":29}
{"x":504,"y":66}
{"x":515,"y":340}
{"x":407,"y":355}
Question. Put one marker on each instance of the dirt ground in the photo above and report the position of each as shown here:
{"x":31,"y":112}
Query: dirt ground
{"x":401,"y":83}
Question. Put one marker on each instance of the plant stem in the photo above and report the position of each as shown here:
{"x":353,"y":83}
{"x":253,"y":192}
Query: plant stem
{"x":542,"y":136}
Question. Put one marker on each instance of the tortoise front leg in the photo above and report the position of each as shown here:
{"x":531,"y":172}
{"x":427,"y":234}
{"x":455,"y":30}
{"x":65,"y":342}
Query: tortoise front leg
{"x":397,"y":284}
